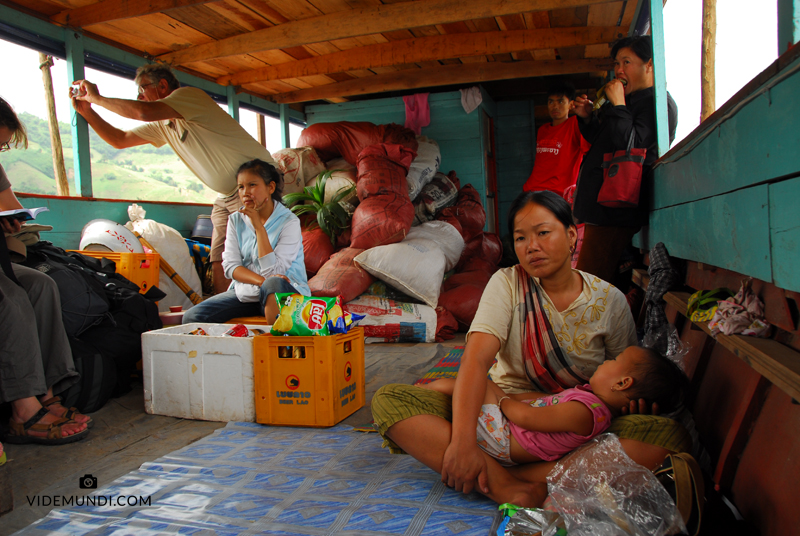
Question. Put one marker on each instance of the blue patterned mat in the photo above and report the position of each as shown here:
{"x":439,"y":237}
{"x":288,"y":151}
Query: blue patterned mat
{"x":248,"y":479}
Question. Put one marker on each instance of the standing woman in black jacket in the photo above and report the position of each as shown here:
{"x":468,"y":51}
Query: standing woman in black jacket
{"x":631,"y":107}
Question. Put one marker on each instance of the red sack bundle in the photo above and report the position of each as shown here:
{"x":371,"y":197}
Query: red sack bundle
{"x":462,"y":302}
{"x":343,"y":240}
{"x":380,"y":220}
{"x":341,"y":277}
{"x":400,"y":135}
{"x":479,"y":264}
{"x":446,"y":325}
{"x":317,"y":249}
{"x":486,"y":246}
{"x":492,"y":248}
{"x":475,"y":271}
{"x":478,"y":278}
{"x":343,"y":138}
{"x":472,"y":249}
{"x":382,"y":169}
{"x":348,"y":139}
{"x":468,"y":210}
{"x":385,"y":213}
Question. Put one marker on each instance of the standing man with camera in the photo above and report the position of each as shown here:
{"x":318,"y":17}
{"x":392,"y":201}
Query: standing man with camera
{"x":559,"y":145}
{"x":210,"y":142}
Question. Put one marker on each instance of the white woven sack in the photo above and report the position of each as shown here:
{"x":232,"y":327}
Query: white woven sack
{"x":446,"y":237}
{"x":386,"y":320}
{"x":424,"y":166}
{"x":416,"y":266}
{"x":298,"y":166}
{"x":172,"y":247}
{"x":340,"y":163}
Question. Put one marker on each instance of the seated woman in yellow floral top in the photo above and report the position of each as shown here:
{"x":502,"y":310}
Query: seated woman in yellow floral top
{"x":548,"y":327}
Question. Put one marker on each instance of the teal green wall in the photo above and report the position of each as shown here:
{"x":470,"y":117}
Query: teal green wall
{"x":515,"y":138}
{"x":459,"y":135}
{"x":68,"y":216}
{"x":728,"y":196}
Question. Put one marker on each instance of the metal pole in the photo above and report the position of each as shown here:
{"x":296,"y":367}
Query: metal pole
{"x":81,"y":157}
{"x":788,"y":24}
{"x":233,"y":102}
{"x":285,"y":141}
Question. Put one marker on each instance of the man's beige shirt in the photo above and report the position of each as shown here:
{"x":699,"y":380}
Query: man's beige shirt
{"x":214,"y":145}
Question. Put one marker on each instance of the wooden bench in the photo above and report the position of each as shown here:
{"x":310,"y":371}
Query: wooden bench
{"x":777,"y":362}
{"x":732,"y":378}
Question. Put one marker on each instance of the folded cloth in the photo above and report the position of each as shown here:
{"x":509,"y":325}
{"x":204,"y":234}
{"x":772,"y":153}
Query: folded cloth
{"x":29,"y":233}
{"x":471,"y":98}
{"x":743,"y":314}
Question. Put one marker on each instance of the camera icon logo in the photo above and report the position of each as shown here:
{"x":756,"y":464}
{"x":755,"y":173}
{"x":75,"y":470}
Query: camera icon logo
{"x":87,"y":482}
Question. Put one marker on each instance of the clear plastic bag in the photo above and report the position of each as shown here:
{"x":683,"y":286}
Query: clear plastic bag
{"x":600,"y":491}
{"x":666,"y":340}
{"x":520,"y":521}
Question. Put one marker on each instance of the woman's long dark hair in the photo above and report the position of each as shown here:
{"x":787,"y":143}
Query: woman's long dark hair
{"x":552,"y":202}
{"x":9,"y":120}
{"x":268,"y":173}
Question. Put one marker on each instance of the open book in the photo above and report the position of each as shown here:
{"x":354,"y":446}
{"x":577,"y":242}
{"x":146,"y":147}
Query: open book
{"x":23,"y":214}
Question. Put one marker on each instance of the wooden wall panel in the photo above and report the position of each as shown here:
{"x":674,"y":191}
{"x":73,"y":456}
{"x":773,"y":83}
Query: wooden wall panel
{"x":785,"y":233}
{"x":730,"y":231}
{"x":723,"y":385}
{"x":754,"y":145}
{"x":766,"y":486}
{"x":516,"y":147}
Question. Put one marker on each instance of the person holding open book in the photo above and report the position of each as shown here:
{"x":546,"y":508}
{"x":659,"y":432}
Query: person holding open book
{"x":35,"y":357}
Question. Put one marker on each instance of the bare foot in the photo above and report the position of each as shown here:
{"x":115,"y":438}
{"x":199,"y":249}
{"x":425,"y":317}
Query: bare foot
{"x":528,"y":495}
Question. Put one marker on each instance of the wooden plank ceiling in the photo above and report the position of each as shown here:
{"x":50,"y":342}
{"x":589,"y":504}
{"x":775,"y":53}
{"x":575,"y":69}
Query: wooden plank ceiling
{"x":296,"y":51}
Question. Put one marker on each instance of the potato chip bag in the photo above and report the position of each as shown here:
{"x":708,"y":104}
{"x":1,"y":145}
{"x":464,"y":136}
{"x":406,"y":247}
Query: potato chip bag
{"x":302,"y":315}
{"x":340,"y":321}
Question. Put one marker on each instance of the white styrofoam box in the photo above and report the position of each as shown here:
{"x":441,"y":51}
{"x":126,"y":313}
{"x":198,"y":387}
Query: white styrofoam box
{"x":199,"y":377}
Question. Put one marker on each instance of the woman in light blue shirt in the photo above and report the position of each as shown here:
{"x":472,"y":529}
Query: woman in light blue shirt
{"x":263,"y":251}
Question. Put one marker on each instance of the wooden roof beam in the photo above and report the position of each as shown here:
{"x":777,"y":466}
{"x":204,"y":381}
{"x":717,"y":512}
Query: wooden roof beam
{"x":109,"y":10}
{"x":363,"y":21}
{"x":443,"y":76}
{"x":424,"y":49}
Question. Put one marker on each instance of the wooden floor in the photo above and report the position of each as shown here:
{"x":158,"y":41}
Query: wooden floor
{"x":122,"y":439}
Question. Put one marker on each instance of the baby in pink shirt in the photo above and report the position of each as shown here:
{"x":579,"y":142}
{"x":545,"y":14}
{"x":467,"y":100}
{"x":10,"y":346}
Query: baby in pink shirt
{"x":530,"y":427}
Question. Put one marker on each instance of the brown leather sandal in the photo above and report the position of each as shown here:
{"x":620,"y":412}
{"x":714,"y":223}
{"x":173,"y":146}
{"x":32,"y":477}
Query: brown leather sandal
{"x":18,"y":433}
{"x":70,"y":413}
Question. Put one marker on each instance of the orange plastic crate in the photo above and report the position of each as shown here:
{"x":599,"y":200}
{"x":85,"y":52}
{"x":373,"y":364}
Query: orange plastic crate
{"x":321,"y":389}
{"x":139,"y":268}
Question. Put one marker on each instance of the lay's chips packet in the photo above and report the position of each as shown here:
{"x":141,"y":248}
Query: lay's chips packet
{"x":340,"y":321}
{"x":302,"y":315}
